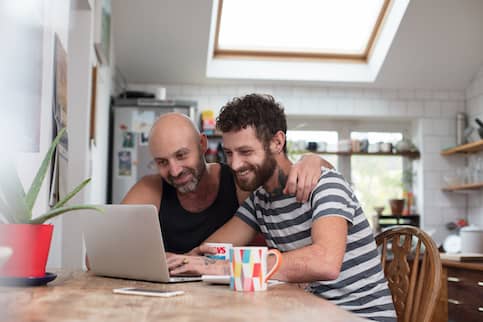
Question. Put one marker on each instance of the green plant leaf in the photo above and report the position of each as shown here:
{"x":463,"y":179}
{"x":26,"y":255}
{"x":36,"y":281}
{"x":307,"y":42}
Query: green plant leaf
{"x":56,"y":212}
{"x":39,"y":178}
{"x":12,"y":193}
{"x":71,"y":194}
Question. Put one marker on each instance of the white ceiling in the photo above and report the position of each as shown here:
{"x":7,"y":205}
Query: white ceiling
{"x":439,"y":44}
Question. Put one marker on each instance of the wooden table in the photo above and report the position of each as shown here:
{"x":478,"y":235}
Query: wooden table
{"x":80,"y":296}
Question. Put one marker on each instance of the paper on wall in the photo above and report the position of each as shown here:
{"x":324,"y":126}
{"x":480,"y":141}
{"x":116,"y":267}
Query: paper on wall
{"x":143,"y":121}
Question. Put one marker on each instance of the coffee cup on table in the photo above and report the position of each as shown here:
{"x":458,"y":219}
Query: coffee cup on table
{"x":222,"y":250}
{"x":248,"y":268}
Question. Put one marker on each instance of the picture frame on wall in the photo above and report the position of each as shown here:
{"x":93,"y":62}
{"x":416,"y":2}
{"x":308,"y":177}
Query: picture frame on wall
{"x":102,"y":30}
{"x":59,"y":186}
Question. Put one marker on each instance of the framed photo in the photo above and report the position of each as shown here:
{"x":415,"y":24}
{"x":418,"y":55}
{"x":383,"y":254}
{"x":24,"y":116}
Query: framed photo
{"x":102,"y":29}
{"x":59,"y":184}
{"x":128,"y":139}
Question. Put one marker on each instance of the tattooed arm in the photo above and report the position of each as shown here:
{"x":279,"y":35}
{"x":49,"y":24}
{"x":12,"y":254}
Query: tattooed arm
{"x":235,"y":231}
{"x":197,"y":265}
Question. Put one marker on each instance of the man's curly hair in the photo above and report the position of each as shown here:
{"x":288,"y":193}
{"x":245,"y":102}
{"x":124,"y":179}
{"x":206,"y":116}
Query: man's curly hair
{"x":260,"y":111}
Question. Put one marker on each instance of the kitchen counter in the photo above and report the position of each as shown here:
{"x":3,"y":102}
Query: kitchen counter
{"x":461,"y":296}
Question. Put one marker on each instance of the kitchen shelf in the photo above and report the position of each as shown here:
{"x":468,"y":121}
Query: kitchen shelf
{"x":465,"y":148}
{"x":462,"y":187}
{"x":409,"y":154}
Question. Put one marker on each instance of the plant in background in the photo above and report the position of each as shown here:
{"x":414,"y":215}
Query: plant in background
{"x":408,"y":179}
{"x":16,"y":205}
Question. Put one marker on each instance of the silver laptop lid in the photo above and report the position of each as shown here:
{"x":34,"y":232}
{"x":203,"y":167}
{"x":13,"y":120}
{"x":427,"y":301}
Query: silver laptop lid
{"x":125,"y":241}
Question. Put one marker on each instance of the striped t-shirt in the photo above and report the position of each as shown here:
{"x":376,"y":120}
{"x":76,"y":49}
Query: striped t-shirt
{"x":286,"y":225}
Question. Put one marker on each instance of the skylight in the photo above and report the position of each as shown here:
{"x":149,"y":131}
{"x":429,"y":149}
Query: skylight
{"x":303,"y":40}
{"x":303,"y":28}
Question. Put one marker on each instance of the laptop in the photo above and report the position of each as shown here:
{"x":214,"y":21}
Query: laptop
{"x":126,"y":242}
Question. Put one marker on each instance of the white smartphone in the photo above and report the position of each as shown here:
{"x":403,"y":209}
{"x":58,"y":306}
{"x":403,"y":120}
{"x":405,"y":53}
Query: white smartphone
{"x":146,"y":292}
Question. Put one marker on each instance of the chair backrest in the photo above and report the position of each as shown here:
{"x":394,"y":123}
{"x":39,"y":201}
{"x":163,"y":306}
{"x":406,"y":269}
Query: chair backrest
{"x":413,"y":272}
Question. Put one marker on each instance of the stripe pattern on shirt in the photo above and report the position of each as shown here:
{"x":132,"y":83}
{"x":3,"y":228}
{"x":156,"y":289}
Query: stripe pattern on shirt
{"x":286,"y":225}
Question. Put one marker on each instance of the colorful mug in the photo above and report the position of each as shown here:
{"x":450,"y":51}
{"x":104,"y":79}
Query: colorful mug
{"x":248,"y":268}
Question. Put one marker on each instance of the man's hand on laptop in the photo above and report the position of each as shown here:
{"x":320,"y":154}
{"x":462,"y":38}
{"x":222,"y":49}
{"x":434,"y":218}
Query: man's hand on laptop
{"x":201,"y":250}
{"x":197,"y":265}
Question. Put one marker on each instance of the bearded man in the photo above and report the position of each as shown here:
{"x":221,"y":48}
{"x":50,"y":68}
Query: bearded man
{"x":325,"y":242}
{"x":195,"y":198}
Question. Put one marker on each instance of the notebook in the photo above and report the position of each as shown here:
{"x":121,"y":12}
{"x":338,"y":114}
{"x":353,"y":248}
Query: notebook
{"x":126,"y":242}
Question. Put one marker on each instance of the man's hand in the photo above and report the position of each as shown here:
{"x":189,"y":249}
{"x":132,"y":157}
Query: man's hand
{"x":202,"y":250}
{"x":304,"y":175}
{"x":197,"y":265}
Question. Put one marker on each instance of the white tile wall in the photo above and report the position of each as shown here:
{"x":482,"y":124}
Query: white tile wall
{"x":433,"y":115}
{"x":474,"y":108}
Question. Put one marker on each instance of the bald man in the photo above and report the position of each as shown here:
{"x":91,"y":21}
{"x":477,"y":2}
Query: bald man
{"x":195,"y":198}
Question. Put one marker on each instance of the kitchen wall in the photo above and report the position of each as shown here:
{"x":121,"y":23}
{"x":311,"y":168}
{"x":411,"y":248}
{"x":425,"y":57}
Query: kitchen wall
{"x":22,"y":79}
{"x":431,"y":113}
{"x":474,"y":102}
{"x":86,"y":159}
{"x":73,"y":23}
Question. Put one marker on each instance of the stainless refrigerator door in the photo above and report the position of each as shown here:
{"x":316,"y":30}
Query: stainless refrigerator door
{"x":131,"y":157}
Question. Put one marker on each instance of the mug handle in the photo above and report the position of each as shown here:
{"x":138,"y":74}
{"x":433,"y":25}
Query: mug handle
{"x":277,"y":264}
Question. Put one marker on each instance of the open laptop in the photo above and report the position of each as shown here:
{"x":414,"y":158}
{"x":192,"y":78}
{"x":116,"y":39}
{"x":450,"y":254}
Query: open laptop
{"x":126,"y":242}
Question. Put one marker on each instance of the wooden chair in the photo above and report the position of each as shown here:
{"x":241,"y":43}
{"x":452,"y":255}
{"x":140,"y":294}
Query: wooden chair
{"x":413,"y":273}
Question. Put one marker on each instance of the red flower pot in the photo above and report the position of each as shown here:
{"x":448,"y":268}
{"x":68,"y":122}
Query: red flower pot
{"x":30,"y":245}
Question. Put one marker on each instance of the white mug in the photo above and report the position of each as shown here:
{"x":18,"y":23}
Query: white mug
{"x":222,"y":250}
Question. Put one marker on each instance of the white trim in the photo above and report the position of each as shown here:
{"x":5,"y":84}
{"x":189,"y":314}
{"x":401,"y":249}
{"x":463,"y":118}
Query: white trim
{"x":266,"y":69}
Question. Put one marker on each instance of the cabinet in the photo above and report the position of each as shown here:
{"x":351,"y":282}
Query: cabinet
{"x":464,"y":149}
{"x":464,"y":290}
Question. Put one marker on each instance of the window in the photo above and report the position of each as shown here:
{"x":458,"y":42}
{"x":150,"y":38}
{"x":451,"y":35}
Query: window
{"x":305,"y":40}
{"x":376,"y":179}
{"x":297,"y":142}
{"x":305,"y":28}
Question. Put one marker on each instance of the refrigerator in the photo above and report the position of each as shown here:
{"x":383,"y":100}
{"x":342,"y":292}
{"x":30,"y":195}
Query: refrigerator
{"x":130,"y":122}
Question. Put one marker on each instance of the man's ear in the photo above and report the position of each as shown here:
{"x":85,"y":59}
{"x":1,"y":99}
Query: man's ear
{"x":203,"y":143}
{"x":277,"y":142}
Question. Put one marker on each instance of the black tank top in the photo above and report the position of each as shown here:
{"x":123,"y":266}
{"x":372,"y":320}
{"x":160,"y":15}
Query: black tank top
{"x":183,"y":230}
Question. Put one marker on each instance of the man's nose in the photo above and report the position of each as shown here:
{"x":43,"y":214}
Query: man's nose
{"x":175,"y":169}
{"x":235,"y":162}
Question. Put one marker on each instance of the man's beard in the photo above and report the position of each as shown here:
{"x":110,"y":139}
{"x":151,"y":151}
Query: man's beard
{"x":191,"y":185}
{"x":261,"y":172}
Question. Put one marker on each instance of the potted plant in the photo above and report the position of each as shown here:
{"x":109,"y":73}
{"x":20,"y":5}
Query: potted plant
{"x":29,"y":237}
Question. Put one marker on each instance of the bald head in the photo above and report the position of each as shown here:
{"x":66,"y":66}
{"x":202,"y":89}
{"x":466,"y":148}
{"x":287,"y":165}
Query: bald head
{"x":172,"y":126}
{"x":178,"y":149}
{"x":171,"y":123}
